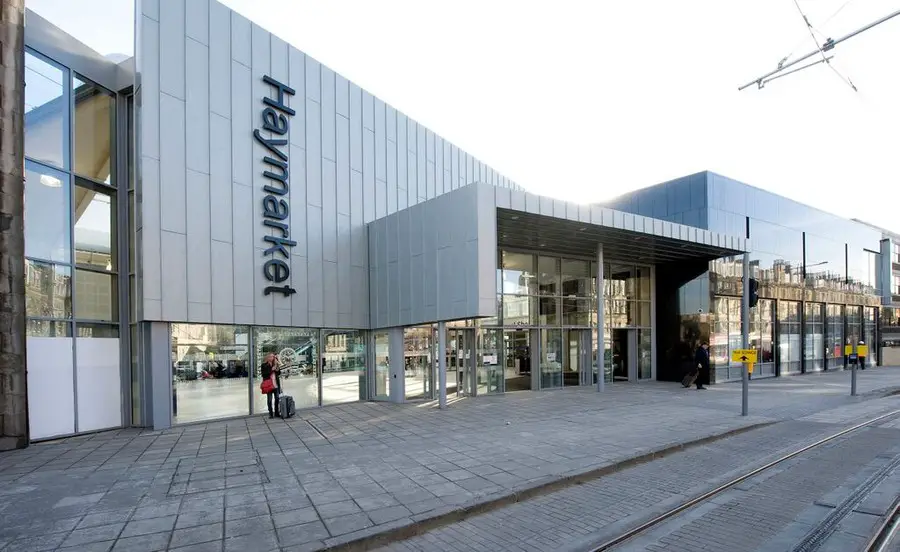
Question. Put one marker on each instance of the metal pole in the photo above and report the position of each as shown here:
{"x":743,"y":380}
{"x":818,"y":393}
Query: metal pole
{"x":853,"y":375}
{"x":745,"y":336}
{"x":601,"y":321}
{"x":824,"y":48}
{"x":442,"y":364}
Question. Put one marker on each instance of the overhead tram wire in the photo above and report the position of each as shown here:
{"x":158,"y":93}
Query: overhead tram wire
{"x":823,"y":37}
{"x":825,"y":59}
{"x":828,"y":45}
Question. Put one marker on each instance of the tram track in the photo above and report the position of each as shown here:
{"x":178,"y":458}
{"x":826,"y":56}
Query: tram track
{"x":879,"y":542}
{"x":887,"y":531}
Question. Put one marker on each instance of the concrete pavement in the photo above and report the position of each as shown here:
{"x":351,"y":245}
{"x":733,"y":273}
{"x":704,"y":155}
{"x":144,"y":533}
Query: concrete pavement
{"x":343,"y":473}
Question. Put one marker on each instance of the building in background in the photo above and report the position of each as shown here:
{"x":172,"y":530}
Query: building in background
{"x":820,"y":283}
{"x":222,"y":195}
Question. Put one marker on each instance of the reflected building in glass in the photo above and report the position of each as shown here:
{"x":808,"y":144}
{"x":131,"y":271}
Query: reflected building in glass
{"x":222,"y":197}
{"x":820,"y":281}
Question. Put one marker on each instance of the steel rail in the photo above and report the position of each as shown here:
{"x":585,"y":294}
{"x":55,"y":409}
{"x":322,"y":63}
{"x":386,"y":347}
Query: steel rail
{"x":631,"y":533}
{"x":885,"y":534}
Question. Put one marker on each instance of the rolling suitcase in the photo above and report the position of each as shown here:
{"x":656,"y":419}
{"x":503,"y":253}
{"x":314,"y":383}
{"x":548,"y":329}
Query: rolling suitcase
{"x":286,"y":406}
{"x":691,"y":377}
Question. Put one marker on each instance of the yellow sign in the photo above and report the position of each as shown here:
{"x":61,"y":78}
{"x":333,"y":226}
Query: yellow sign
{"x":862,"y":350}
{"x":848,"y":350}
{"x":749,"y":367}
{"x":743,"y":355}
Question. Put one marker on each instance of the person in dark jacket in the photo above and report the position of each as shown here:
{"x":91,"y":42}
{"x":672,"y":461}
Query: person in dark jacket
{"x":702,"y":360}
{"x":269,"y":367}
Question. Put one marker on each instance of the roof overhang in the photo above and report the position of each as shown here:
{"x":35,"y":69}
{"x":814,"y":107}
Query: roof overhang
{"x":625,"y":237}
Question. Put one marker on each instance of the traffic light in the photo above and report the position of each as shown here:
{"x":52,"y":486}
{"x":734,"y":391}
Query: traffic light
{"x":754,"y":292}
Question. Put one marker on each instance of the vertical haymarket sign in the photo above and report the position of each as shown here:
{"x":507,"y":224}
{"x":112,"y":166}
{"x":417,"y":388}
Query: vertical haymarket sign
{"x":276,"y":209}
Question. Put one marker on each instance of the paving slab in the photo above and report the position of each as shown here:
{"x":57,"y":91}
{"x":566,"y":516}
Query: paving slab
{"x":333,"y":474}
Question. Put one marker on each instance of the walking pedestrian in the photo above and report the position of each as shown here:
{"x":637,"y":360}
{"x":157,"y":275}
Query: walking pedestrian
{"x":702,"y":360}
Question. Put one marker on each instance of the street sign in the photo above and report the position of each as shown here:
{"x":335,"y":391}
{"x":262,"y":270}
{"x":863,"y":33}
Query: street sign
{"x":743,"y":355}
{"x":749,"y":367}
{"x":848,"y":350}
{"x":862,"y":350}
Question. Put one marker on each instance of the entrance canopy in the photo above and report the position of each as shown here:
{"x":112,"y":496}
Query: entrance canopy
{"x":625,"y":236}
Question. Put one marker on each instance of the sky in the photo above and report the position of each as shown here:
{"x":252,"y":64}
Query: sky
{"x":585,"y":101}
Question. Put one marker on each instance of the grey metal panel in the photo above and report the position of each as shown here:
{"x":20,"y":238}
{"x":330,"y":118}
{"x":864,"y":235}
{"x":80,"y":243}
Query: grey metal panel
{"x":313,"y":153}
{"x":342,"y":96}
{"x":197,"y":20}
{"x":263,"y":305}
{"x":421,"y":164}
{"x":241,"y":124}
{"x":282,"y":317}
{"x":197,"y":106}
{"x":345,"y":305}
{"x":342,"y":156}
{"x":368,"y":111}
{"x":314,"y":269}
{"x":391,"y":168}
{"x":244,"y":247}
{"x":380,"y":141}
{"x":330,"y":278}
{"x":171,"y":48}
{"x":174,"y":267}
{"x":313,"y":77}
{"x":298,"y":200}
{"x":299,"y":300}
{"x":148,"y":67}
{"x":329,"y":212}
{"x":297,"y":78}
{"x":439,"y":165}
{"x":220,"y":178}
{"x":151,"y":253}
{"x":328,"y":114}
{"x":358,"y":242}
{"x":240,"y":39}
{"x":172,"y":164}
{"x":200,"y":313}
{"x":220,"y":59}
{"x":356,"y":131}
{"x":150,"y":8}
{"x":199,"y":246}
{"x":222,"y":290}
{"x":368,"y":174}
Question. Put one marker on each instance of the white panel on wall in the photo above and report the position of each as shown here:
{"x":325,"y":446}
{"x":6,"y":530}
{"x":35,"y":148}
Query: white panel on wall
{"x":314,"y":247}
{"x":299,"y":300}
{"x":356,"y":155}
{"x":150,"y":236}
{"x":330,"y":278}
{"x":99,"y":384}
{"x":172,"y":164}
{"x":313,"y":74}
{"x":368,"y":111}
{"x":197,"y":106}
{"x":342,"y":96}
{"x":380,"y":141}
{"x":51,"y":388}
{"x":391,"y":176}
{"x":298,"y":199}
{"x":344,"y":263}
{"x":150,"y":8}
{"x":421,"y":163}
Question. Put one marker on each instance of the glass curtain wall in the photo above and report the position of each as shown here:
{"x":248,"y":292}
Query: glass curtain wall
{"x":210,"y":372}
{"x":419,"y":345}
{"x":762,"y":337}
{"x":381,"y":356}
{"x":297,"y":351}
{"x":854,"y":325}
{"x":725,"y":336}
{"x":71,"y":264}
{"x":343,"y":366}
{"x":870,"y":325}
{"x":788,"y":337}
{"x":834,"y":346}
{"x":814,"y":337}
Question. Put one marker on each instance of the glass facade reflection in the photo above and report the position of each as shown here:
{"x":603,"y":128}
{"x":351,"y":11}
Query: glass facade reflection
{"x":810,"y":265}
{"x":210,"y":372}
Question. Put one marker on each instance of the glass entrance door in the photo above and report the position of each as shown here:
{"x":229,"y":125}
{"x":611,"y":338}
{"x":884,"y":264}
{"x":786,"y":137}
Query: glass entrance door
{"x":624,"y":355}
{"x":461,"y":361}
{"x":576,"y":367}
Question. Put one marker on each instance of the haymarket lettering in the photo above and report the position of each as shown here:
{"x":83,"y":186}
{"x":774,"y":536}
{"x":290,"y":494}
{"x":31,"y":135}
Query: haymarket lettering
{"x":276,"y":208}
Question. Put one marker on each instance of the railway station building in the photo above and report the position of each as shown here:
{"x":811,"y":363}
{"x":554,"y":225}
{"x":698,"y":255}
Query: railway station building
{"x":222,"y":195}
